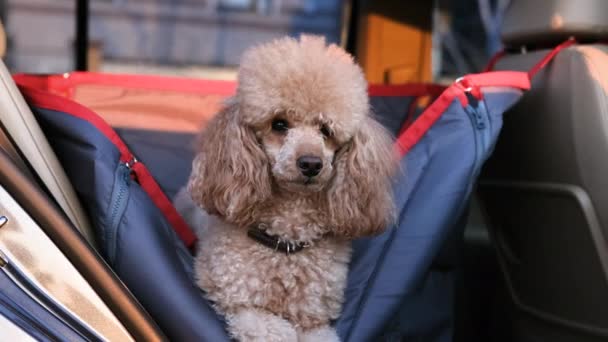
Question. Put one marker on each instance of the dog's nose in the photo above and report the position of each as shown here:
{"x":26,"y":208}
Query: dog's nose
{"x":310,"y":166}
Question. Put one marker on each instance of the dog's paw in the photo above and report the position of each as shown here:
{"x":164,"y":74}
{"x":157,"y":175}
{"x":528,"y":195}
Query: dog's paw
{"x":251,"y":325}
{"x":322,"y":334}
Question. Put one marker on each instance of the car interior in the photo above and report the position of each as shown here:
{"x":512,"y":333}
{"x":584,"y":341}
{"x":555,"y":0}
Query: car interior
{"x":540,"y":194}
{"x":531,"y":265}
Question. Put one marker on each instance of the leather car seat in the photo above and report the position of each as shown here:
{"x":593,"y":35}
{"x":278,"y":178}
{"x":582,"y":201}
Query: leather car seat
{"x":545,"y":189}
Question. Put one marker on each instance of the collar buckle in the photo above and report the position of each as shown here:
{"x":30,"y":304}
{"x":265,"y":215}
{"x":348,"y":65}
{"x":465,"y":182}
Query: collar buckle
{"x":275,"y":242}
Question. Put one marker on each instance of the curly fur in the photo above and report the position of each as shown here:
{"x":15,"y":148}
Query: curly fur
{"x":245,"y":174}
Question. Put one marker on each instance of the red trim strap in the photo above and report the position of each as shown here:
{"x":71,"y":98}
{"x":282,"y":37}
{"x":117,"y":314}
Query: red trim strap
{"x":418,"y":129}
{"x":49,"y":101}
{"x":415,"y":90}
{"x":543,"y":62}
{"x":409,"y":89}
{"x":163,"y":203}
{"x":472,"y":84}
{"x":492,"y":63}
{"x":45,"y":100}
{"x":65,"y":83}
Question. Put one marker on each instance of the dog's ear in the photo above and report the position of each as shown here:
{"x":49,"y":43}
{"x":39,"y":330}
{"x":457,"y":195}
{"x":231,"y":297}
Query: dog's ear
{"x":360,"y":198}
{"x":230,"y":174}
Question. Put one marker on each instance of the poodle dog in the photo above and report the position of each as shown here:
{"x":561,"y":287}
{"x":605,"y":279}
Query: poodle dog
{"x":289,"y":172}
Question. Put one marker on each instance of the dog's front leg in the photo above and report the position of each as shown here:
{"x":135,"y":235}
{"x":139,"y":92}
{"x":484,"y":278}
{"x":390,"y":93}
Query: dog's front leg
{"x":324,"y":333}
{"x":260,"y":326}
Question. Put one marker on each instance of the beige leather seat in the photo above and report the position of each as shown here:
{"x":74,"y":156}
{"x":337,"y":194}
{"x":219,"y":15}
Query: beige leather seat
{"x":545,"y":189}
{"x":21,"y":137}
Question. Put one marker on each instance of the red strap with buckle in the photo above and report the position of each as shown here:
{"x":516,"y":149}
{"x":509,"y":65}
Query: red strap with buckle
{"x":472,"y":84}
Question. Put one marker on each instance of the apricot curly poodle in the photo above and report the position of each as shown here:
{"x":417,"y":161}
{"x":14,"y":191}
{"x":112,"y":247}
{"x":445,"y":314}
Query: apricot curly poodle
{"x":288,"y":173}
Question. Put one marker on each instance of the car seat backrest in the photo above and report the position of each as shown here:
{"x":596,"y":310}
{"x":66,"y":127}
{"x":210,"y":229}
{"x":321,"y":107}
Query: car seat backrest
{"x":544,"y":190}
{"x":536,"y":22}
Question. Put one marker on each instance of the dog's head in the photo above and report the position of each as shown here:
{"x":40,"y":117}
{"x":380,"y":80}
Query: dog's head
{"x":299,"y":123}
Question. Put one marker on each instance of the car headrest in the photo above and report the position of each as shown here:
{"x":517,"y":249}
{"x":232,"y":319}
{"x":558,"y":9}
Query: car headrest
{"x":544,"y":22}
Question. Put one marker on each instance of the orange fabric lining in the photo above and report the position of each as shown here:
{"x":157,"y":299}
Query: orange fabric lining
{"x":148,"y":109}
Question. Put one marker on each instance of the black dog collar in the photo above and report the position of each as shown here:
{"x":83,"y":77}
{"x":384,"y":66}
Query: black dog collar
{"x":275,"y":242}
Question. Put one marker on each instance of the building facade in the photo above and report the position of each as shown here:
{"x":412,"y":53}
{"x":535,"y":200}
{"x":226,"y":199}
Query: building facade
{"x":158,"y":32}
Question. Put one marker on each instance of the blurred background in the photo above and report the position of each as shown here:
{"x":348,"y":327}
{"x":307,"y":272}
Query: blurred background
{"x":395,"y":41}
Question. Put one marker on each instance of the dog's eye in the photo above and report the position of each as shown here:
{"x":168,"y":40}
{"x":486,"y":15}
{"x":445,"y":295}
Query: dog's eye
{"x":325,"y":131}
{"x":280,"y":125}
